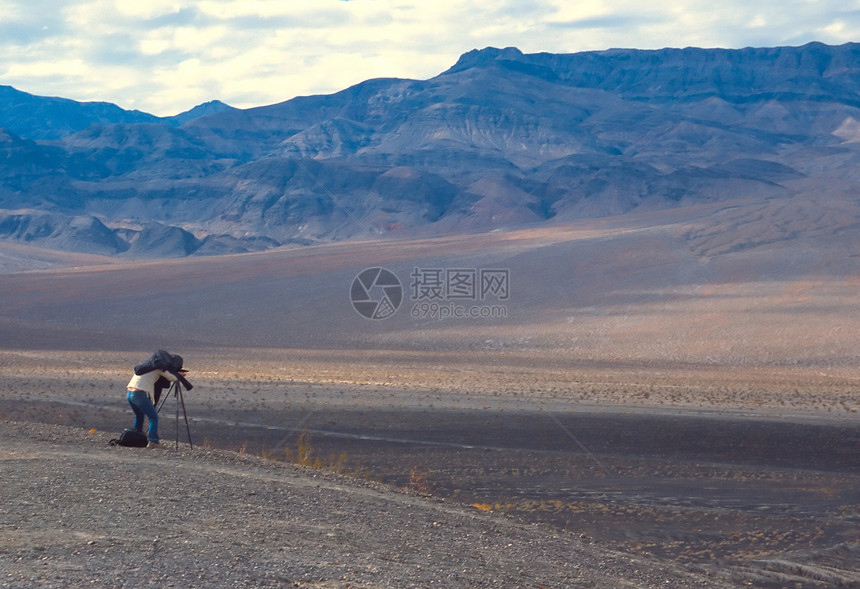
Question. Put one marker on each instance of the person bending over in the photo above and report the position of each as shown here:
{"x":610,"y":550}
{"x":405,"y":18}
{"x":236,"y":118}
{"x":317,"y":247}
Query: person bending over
{"x":141,"y":389}
{"x":149,"y":379}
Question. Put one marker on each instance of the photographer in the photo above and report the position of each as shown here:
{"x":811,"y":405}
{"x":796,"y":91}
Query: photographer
{"x":146,"y":384}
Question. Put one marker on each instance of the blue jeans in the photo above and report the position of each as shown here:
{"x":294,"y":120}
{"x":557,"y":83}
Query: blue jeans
{"x":142,"y":406}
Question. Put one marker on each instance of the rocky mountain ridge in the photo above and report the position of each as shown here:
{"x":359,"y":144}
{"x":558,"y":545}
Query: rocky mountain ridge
{"x":43,"y":117}
{"x":501,"y":139}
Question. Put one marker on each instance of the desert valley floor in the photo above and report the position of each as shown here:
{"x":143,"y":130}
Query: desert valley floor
{"x":653,"y":388}
{"x":717,"y":470}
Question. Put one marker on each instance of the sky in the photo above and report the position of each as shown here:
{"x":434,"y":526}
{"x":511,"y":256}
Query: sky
{"x":166,"y":56}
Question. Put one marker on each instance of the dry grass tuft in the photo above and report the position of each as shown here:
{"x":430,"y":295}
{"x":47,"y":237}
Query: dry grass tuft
{"x":305,"y":455}
{"x":419,"y":481}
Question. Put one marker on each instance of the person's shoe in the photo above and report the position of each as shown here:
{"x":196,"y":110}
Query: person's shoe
{"x":153,"y":445}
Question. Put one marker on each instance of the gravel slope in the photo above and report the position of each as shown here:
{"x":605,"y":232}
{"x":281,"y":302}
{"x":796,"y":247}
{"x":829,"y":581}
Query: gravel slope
{"x":77,"y":511}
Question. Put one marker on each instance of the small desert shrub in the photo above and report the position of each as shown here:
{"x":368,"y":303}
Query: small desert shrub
{"x":419,"y":480}
{"x":339,"y":464}
{"x":304,"y":454}
{"x":305,"y":451}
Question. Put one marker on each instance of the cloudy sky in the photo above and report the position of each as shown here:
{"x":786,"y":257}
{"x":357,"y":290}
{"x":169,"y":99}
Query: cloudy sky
{"x":165,"y":56}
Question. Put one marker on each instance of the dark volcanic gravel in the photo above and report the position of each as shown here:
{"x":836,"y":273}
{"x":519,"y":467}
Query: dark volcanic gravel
{"x":76,"y":511}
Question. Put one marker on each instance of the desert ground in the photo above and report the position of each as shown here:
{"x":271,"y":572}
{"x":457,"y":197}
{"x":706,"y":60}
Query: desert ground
{"x":652,"y":391}
{"x":734,"y":476}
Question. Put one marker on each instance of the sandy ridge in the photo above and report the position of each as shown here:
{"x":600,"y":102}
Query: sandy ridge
{"x":79,"y":512}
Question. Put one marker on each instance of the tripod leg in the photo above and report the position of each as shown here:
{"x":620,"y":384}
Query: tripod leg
{"x":163,"y":400}
{"x":185,"y":415}
{"x":178,"y":395}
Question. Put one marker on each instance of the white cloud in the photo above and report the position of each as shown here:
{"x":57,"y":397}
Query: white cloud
{"x":164,"y":56}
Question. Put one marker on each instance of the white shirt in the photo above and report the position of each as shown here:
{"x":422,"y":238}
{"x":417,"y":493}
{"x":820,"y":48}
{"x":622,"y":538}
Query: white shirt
{"x":146,"y":382}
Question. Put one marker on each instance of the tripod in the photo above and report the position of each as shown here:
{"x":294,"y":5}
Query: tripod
{"x":176,"y":388}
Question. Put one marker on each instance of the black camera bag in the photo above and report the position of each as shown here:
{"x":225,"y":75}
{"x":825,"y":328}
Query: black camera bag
{"x":132,"y":438}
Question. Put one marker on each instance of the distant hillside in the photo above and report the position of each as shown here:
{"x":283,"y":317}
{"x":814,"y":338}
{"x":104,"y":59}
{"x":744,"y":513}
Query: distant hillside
{"x":41,"y":117}
{"x":502,"y":139}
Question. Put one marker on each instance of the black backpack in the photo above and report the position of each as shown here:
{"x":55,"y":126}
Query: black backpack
{"x":130,"y":437}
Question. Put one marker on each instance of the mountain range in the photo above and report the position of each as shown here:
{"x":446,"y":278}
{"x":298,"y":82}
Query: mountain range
{"x":502,"y":139}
